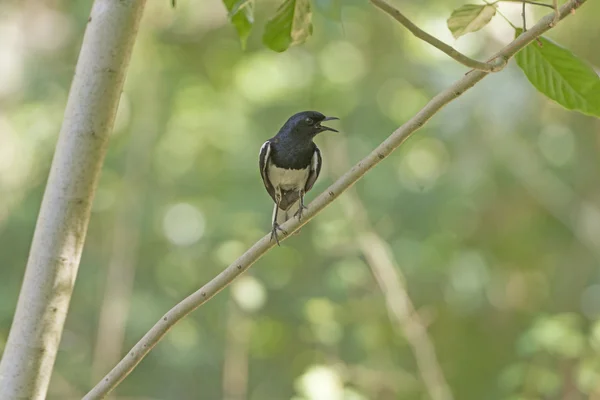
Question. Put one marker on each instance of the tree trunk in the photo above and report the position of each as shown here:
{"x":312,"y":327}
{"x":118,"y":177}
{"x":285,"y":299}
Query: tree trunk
{"x":59,"y":236}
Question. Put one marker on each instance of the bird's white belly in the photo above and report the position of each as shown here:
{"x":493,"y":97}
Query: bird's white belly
{"x":288,"y":179}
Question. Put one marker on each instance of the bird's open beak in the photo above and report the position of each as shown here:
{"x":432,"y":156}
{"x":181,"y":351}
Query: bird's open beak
{"x":326,"y":128}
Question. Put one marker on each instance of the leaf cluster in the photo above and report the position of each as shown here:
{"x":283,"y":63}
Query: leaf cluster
{"x":553,"y":70}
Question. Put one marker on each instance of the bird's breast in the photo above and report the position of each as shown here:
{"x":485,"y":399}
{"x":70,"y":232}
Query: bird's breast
{"x":288,"y":179}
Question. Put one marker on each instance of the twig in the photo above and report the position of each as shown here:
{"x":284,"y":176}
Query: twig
{"x":391,"y":282}
{"x":506,"y":19}
{"x":421,"y":34}
{"x":524,"y":17}
{"x":556,"y":12}
{"x":535,"y":3}
{"x":202,"y":295}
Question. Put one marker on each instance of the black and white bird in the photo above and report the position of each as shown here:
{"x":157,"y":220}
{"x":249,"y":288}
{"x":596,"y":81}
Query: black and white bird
{"x":290,"y":163}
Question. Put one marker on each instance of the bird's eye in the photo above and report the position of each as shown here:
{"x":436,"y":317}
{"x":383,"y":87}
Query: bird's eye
{"x":308,"y":120}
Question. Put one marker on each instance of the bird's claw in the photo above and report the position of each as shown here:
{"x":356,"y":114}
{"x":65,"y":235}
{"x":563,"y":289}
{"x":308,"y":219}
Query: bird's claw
{"x":299,"y":212}
{"x":276,"y":228}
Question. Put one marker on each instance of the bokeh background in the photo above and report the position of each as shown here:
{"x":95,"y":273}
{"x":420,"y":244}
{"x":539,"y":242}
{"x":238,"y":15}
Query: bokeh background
{"x":487,"y":219}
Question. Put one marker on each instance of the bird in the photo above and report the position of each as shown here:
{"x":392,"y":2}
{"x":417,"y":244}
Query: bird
{"x":290,"y":163}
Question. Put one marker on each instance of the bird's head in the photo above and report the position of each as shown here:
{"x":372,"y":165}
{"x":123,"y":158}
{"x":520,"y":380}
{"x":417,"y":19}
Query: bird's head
{"x":307,"y":124}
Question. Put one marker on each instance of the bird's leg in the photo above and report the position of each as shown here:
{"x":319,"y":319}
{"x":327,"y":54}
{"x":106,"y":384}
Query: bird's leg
{"x":302,"y":206}
{"x":276,"y":226}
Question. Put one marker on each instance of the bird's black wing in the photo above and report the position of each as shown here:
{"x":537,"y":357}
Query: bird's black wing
{"x":315,"y":170}
{"x":265,"y":153}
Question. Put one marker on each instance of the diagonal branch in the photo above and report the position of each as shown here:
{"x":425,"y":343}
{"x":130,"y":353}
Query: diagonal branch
{"x":438,"y":44}
{"x":392,"y":283}
{"x":202,"y":295}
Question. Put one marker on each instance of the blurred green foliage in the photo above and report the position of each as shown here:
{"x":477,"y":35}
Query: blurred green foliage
{"x":492,"y":210}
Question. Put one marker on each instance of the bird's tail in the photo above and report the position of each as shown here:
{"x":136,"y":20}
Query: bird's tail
{"x":284,"y":215}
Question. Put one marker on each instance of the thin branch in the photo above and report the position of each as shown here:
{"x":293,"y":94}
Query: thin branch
{"x":202,"y":295}
{"x":535,"y":3}
{"x":506,"y":18}
{"x":452,"y":52}
{"x":403,"y":314}
{"x":524,"y":17}
{"x":556,"y":12}
{"x":391,"y":282}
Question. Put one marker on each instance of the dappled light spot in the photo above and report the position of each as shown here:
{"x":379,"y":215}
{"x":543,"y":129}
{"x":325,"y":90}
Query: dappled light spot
{"x":588,"y":376}
{"x":356,"y":27}
{"x":103,"y":200}
{"x":318,"y":310}
{"x":352,"y":272}
{"x":343,"y":99}
{"x":229,"y":251}
{"x":399,"y":100}
{"x":468,"y":278}
{"x":320,"y":382}
{"x":499,"y":29}
{"x":48,"y":29}
{"x":12,"y":56}
{"x":320,"y":313}
{"x":14,"y":167}
{"x":420,"y":168}
{"x":331,"y":233}
{"x":249,"y":293}
{"x":266,"y":77}
{"x":558,"y":334}
{"x":595,"y":335}
{"x":590,"y":302}
{"x":283,"y":263}
{"x":328,"y":333}
{"x":370,"y":335}
{"x":588,"y":223}
{"x":184,"y":335}
{"x":557,"y":144}
{"x":270,"y":339}
{"x":177,"y":274}
{"x":183,"y":224}
{"x":526,"y":290}
{"x":342,"y":63}
{"x":176,"y":151}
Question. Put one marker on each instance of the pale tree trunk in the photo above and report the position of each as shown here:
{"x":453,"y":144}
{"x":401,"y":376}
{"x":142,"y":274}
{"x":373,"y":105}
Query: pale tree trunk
{"x":59,"y":236}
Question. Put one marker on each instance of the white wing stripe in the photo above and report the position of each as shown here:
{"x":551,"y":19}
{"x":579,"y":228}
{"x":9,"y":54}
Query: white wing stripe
{"x":315,"y":161}
{"x":262,"y":147}
{"x":267,"y":144}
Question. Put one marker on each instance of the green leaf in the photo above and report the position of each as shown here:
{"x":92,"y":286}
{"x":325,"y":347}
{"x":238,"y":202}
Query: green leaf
{"x":241,"y":15}
{"x":332,"y":9}
{"x":561,"y":76}
{"x":291,"y":25}
{"x":470,"y":18}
